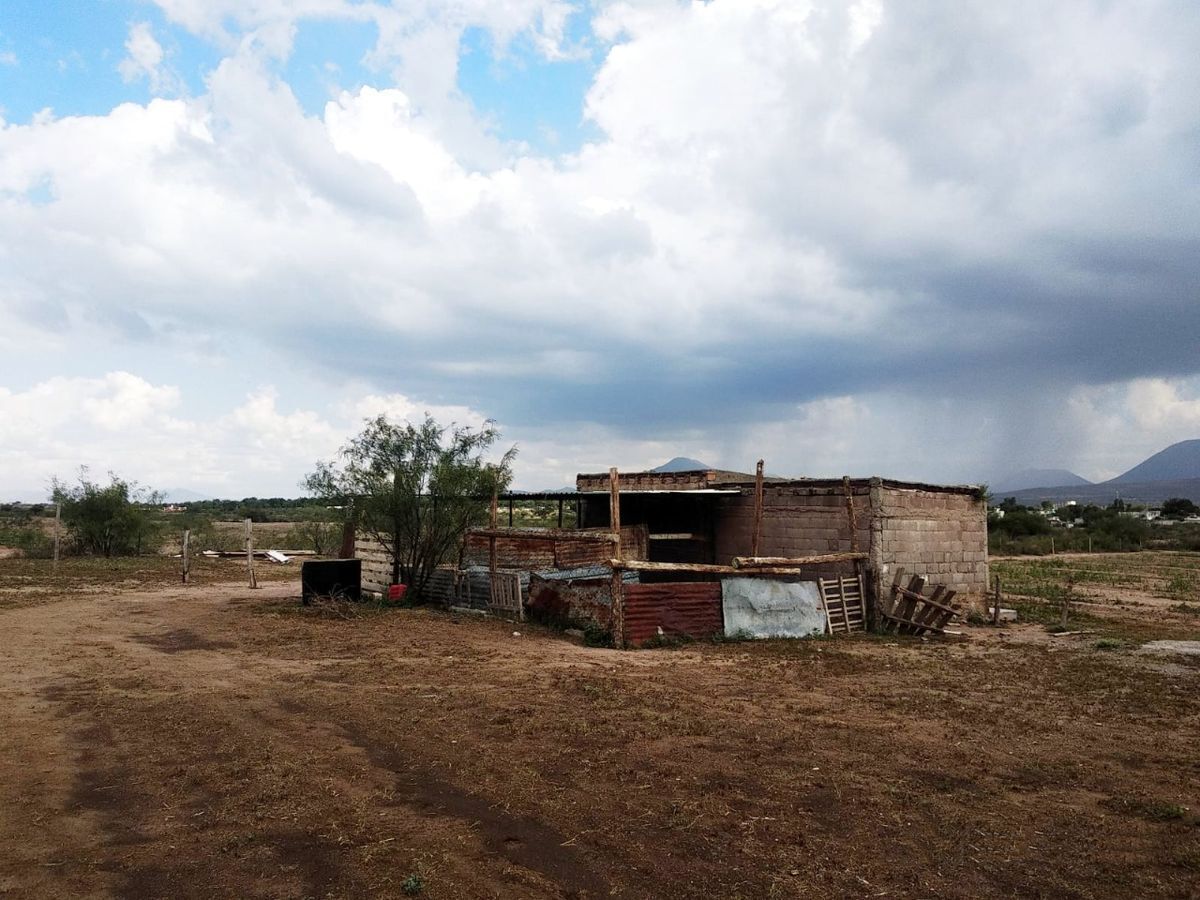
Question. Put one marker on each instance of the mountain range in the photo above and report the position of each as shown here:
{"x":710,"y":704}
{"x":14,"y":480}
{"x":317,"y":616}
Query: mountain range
{"x":1172,"y":472}
{"x":682,"y":464}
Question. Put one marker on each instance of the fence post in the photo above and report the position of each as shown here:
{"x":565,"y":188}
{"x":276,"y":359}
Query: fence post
{"x":617,"y":588}
{"x":57,"y":527}
{"x":758,"y":509}
{"x":187,"y":535}
{"x":250,"y":552}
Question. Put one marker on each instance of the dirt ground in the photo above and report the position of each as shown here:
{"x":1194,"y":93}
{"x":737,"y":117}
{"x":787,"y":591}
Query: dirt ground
{"x":158,"y":740}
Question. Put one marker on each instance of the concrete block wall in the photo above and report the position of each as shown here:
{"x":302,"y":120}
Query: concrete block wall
{"x":797,"y":521}
{"x":941,"y":535}
{"x":645,"y":481}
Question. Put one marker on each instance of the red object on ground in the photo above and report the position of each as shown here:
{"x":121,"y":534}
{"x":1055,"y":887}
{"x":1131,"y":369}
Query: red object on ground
{"x":396,"y":591}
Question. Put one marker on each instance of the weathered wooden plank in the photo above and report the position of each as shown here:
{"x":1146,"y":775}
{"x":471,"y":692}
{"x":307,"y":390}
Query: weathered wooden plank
{"x":906,"y":623}
{"x":546,"y":534}
{"x":779,"y":562}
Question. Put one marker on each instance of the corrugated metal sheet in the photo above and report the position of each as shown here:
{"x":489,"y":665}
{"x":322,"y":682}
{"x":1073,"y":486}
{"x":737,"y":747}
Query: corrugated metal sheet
{"x":531,"y":554}
{"x":511,"y":553}
{"x":689,"y":610}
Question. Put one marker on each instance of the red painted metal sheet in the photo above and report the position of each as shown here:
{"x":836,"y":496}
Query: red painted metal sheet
{"x":679,"y":609}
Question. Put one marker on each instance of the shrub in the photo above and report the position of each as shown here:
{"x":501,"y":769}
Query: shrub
{"x":117,"y":519}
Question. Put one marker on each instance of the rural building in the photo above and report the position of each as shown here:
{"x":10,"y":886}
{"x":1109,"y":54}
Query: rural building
{"x":708,"y":517}
{"x":700,"y":548}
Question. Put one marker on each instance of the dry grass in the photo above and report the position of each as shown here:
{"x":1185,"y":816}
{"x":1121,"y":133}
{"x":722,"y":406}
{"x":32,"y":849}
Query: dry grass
{"x":301,"y":754}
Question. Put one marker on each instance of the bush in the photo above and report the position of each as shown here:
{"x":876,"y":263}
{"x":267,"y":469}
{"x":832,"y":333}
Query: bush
{"x":29,"y":539}
{"x":323,"y":538}
{"x":117,"y":519}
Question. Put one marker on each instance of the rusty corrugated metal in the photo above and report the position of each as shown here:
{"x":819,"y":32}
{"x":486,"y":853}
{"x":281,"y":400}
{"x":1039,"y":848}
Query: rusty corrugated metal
{"x":679,"y":609}
{"x":523,"y":554}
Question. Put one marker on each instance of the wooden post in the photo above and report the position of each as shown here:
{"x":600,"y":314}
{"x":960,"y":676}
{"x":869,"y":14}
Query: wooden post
{"x":57,"y":529}
{"x":996,"y":607}
{"x":348,"y":549}
{"x":614,"y":507}
{"x":1051,"y":545}
{"x":560,"y":512}
{"x":860,"y":566}
{"x":851,"y":517}
{"x":250,"y":552}
{"x":758,"y":509}
{"x":187,"y":536}
{"x":875,"y":573}
{"x":495,"y":516}
{"x":510,"y":512}
{"x":1066,"y":607}
{"x":617,"y":589}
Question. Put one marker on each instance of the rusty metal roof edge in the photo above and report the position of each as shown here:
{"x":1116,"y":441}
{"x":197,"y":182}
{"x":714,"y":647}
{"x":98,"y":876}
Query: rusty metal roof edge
{"x":747,"y":479}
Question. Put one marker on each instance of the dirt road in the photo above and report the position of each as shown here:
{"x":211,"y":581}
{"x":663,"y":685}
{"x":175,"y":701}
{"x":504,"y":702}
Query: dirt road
{"x":210,"y":741}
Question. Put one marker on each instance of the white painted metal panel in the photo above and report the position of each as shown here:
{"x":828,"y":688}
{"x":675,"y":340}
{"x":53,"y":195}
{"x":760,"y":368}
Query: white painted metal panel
{"x":762,"y":608}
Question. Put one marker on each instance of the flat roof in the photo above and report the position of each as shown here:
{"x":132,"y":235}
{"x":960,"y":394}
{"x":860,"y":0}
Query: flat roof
{"x":742,"y":480}
{"x":567,"y":495}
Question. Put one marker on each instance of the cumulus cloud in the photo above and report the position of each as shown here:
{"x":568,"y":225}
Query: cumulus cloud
{"x":799,"y":226}
{"x":253,"y":445}
{"x":146,"y":59}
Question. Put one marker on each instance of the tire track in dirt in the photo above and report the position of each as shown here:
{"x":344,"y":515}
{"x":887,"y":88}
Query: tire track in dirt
{"x":523,"y":840}
{"x":514,"y":839}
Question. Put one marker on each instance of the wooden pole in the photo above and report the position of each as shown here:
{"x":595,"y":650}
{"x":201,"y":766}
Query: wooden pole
{"x":510,"y":512}
{"x":348,"y":550}
{"x":560,"y":512}
{"x":187,"y":536}
{"x":638,"y":565}
{"x":614,"y":507}
{"x":758,"y":508}
{"x":783,"y":562}
{"x":495,"y":515}
{"x":996,"y":607}
{"x":250,"y":552}
{"x":546,"y":534}
{"x":617,"y":588}
{"x":57,"y":530}
{"x":851,"y":517}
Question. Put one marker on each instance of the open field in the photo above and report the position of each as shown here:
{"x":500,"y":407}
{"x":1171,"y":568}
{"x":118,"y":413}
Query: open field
{"x":1135,"y":596}
{"x":158,"y":740}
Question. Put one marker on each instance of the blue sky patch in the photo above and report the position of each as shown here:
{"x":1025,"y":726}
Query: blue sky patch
{"x":328,"y":57}
{"x":67,"y":53}
{"x":525,"y":96}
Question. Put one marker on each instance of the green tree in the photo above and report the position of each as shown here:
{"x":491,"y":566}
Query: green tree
{"x":415,"y":489}
{"x":1179,"y":508}
{"x":115,"y":519}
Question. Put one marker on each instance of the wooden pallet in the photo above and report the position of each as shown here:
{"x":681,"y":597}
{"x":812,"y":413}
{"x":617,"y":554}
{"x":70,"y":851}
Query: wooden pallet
{"x":506,"y":595}
{"x":845,"y":607}
{"x":914,"y":612}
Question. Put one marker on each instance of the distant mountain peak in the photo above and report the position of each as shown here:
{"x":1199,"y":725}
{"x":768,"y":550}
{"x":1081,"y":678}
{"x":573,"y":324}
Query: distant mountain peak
{"x":1179,"y":461}
{"x":682,"y":464}
{"x":1037,"y":478}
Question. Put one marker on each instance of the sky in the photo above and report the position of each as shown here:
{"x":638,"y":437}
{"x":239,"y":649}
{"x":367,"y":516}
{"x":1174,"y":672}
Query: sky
{"x":921,"y":240}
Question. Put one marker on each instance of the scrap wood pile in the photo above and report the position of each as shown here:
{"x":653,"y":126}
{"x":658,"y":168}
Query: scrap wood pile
{"x":912,"y":612}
